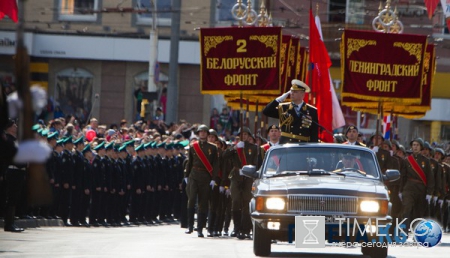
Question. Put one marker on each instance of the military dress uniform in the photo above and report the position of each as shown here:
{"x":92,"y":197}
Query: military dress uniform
{"x":67,"y":174}
{"x":241,"y":187}
{"x":77,"y":191}
{"x":415,"y":188}
{"x":98,"y":171}
{"x":199,"y":181}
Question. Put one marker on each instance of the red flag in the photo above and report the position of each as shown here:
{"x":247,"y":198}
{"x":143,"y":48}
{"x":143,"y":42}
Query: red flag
{"x":9,"y":8}
{"x":431,"y":6}
{"x":320,"y":79}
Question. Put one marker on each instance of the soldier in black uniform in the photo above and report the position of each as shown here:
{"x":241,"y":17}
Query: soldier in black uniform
{"x":428,"y":152}
{"x":125,"y":183}
{"x":67,"y":173}
{"x":178,"y":160}
{"x":77,"y":191}
{"x":98,"y":173}
{"x":136,"y":214}
{"x":298,"y":120}
{"x":202,"y":168}
{"x":86,"y":184}
{"x":14,"y":174}
{"x":149,"y":175}
{"x":52,"y":167}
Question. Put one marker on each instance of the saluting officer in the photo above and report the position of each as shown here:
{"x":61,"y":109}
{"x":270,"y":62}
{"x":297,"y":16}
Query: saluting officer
{"x":298,"y":120}
{"x":202,"y":168}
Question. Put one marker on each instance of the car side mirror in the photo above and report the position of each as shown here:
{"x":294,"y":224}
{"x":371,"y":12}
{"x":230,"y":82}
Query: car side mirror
{"x":249,"y":171}
{"x":391,"y":175}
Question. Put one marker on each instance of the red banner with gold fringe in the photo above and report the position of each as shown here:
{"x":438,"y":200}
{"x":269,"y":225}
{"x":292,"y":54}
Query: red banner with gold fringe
{"x":383,"y":67}
{"x":235,"y":60}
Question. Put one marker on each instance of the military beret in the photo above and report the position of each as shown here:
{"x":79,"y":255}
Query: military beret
{"x":79,"y":140}
{"x":86,"y":148}
{"x":100,"y":146}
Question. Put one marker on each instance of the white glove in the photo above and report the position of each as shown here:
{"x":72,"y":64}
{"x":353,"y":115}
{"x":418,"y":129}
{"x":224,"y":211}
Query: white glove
{"x":428,"y":198}
{"x":33,"y":151}
{"x":283,"y":97}
{"x":400,"y":196}
{"x":435,"y":199}
{"x":212,"y":184}
{"x":240,"y":144}
{"x":375,"y":149}
{"x":441,"y":202}
{"x":221,"y":189}
{"x":228,"y":193}
{"x":186,"y":180}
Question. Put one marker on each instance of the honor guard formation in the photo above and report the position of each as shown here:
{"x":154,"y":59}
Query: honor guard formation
{"x":145,"y":174}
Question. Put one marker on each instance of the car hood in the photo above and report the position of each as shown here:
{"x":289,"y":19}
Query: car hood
{"x":336,"y":185}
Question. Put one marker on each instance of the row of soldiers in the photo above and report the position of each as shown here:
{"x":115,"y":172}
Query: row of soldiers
{"x":423,"y":188}
{"x":107,"y":181}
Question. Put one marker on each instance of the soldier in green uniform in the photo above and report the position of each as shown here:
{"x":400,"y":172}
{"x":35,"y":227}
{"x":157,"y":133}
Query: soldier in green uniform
{"x":244,"y":153}
{"x":298,"y":120}
{"x":419,"y":183}
{"x":202,"y":168}
{"x":428,"y":152}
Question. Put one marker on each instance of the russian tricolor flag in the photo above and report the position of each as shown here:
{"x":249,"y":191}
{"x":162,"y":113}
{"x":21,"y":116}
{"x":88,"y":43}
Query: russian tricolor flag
{"x":387,"y":127}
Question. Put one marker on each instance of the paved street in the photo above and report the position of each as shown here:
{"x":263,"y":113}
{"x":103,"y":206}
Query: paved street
{"x":165,"y":241}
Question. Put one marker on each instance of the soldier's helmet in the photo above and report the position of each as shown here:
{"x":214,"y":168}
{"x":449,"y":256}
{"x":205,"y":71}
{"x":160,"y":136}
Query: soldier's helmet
{"x":213,"y":132}
{"x":388,"y":143}
{"x":426,"y":145}
{"x":419,"y":141}
{"x":202,"y":128}
{"x":245,"y":130}
{"x":440,"y":150}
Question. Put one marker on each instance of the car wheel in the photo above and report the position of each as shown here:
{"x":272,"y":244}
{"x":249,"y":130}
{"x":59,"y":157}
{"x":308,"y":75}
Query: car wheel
{"x":375,"y":252}
{"x":261,"y":241}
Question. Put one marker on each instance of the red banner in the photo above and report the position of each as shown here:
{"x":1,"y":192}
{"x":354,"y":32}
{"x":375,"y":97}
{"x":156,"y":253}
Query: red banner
{"x":382,"y":67}
{"x":406,"y":111}
{"x":235,"y":60}
{"x":302,"y":64}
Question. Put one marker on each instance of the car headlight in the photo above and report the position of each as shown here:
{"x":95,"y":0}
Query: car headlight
{"x":275,"y":203}
{"x":370,"y":206}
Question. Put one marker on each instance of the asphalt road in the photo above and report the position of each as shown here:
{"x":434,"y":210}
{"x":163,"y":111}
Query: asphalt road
{"x":167,"y":241}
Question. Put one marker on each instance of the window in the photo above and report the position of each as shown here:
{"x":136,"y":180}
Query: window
{"x":73,"y":93}
{"x":77,"y":10}
{"x":337,"y":11}
{"x":163,"y":12}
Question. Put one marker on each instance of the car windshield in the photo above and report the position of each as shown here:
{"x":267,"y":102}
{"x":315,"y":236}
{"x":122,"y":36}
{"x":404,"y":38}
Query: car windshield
{"x":342,"y":161}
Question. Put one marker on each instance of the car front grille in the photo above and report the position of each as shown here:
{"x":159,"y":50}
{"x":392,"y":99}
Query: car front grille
{"x":320,"y":204}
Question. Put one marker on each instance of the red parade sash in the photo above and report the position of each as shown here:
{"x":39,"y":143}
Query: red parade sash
{"x":202,"y":157}
{"x":417,"y":169}
{"x":241,"y":155}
